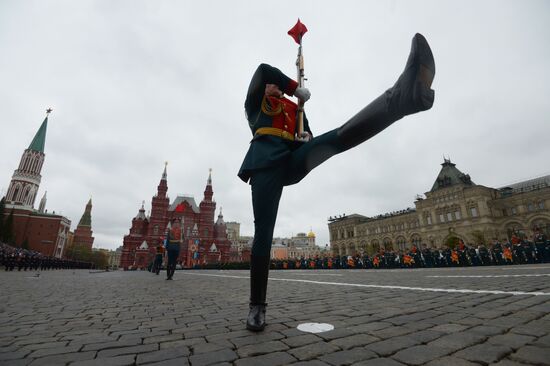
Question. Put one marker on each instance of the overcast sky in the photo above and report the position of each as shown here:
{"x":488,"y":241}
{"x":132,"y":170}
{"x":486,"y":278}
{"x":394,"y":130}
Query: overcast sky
{"x":136,"y":83}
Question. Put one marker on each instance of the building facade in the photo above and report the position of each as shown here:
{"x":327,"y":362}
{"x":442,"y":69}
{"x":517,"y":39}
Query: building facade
{"x":202,"y":240}
{"x":301,"y":245}
{"x":35,"y":229}
{"x":454,"y":208}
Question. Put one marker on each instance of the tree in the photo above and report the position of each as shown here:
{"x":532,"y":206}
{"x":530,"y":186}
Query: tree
{"x":479,"y":237}
{"x":100,"y":259}
{"x":25,"y":244}
{"x":7,"y":232}
{"x":452,"y":242}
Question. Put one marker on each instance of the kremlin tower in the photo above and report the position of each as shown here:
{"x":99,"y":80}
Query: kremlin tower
{"x":42,"y":231}
{"x":83,"y":233}
{"x":26,"y":179}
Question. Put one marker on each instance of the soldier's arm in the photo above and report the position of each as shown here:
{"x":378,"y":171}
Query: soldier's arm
{"x":266,"y":74}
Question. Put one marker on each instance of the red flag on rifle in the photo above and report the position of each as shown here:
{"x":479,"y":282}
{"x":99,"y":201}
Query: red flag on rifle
{"x":298,"y":31}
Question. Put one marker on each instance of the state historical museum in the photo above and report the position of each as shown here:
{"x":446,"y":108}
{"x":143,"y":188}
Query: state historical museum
{"x":202,"y":240}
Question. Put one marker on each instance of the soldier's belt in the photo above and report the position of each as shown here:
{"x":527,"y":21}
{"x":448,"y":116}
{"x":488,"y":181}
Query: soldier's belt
{"x":275,"y":132}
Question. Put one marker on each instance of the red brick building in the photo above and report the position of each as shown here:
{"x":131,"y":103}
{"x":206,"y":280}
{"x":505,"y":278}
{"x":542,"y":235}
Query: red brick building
{"x":202,"y":240}
{"x":83,"y":232}
{"x":39,"y":230}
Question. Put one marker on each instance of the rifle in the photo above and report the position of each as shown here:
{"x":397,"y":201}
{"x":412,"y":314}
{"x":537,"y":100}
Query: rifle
{"x":300,"y":79}
{"x":297,"y":33}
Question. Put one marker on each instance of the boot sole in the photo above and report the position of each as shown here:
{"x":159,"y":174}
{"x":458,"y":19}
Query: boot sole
{"x":423,"y":95}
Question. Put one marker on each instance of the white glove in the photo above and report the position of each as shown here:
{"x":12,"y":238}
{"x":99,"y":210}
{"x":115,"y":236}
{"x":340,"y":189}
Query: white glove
{"x":305,"y":137}
{"x":302,"y":93}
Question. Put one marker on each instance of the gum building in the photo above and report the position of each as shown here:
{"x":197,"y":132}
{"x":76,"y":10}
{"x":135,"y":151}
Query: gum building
{"x":454,"y":207}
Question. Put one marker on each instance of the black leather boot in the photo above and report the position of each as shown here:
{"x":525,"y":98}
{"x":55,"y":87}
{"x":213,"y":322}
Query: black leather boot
{"x":259,"y":272}
{"x":410,"y":94}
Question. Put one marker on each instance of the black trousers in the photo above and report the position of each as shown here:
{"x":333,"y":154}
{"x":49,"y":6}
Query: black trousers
{"x":171,"y":265}
{"x":267,"y":185}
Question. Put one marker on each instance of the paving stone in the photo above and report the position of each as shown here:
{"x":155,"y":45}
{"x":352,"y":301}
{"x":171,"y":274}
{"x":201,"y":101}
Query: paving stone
{"x":485,"y":353}
{"x":542,"y":341}
{"x":532,"y":354}
{"x":20,"y":362}
{"x":164,"y":338}
{"x":507,"y":362}
{"x":261,"y":348}
{"x":54,"y":351}
{"x":37,"y":340}
{"x":425,"y":336}
{"x":301,"y":340}
{"x":348,"y":357}
{"x":256,"y":338}
{"x":180,"y":361}
{"x":354,"y":341}
{"x":535,"y":330}
{"x":114,"y":344}
{"x":162,"y":355}
{"x":182,"y":343}
{"x":213,"y":357}
{"x":207,"y":347}
{"x":392,"y":345}
{"x":110,"y":361}
{"x":458,"y":341}
{"x":313,"y":350}
{"x":390,"y":332}
{"x":420,"y":354}
{"x":63,"y":358}
{"x":336,"y":333}
{"x":311,"y":363}
{"x":272,"y":359}
{"x":487,"y":330}
{"x":450,"y":361}
{"x":511,"y":340}
{"x":127,"y":350}
{"x":449,"y":328}
{"x":13,"y":355}
{"x":379,"y":362}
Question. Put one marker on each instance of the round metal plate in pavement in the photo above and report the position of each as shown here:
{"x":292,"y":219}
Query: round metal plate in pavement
{"x":315,"y":327}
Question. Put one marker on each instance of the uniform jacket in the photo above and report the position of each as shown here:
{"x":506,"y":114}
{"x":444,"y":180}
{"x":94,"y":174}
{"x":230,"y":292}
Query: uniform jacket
{"x":265,"y":150}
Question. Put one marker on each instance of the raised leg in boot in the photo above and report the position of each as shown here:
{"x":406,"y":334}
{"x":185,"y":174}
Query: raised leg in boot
{"x":410,"y":94}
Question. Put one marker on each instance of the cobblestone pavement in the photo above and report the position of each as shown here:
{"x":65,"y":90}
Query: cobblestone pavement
{"x":463,"y":316}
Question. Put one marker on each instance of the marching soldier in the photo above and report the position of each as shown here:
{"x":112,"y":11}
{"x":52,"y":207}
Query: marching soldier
{"x":278,"y":156}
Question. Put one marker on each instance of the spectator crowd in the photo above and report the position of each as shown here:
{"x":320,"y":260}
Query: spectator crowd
{"x":23,"y":259}
{"x":514,"y":251}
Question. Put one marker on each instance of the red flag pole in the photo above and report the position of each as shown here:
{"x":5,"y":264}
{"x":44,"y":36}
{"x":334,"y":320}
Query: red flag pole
{"x":297,"y":33}
{"x":300,"y":71}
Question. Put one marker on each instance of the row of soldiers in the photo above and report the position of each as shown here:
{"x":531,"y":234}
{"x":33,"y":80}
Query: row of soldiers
{"x":23,"y":259}
{"x":516,"y":251}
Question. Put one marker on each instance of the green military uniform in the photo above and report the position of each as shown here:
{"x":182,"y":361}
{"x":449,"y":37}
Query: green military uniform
{"x":274,"y":159}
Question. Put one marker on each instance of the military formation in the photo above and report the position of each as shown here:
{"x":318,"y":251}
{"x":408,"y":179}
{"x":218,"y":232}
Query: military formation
{"x":12,"y":258}
{"x":515,"y":251}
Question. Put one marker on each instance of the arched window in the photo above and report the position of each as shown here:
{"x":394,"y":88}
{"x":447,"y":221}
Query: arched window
{"x":387,"y":244}
{"x":401,"y":243}
{"x":16,"y":192}
{"x":416,"y":240}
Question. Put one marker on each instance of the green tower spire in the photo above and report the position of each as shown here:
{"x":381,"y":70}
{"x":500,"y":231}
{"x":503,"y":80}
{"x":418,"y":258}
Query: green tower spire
{"x":39,"y":139}
{"x":86,"y":219}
